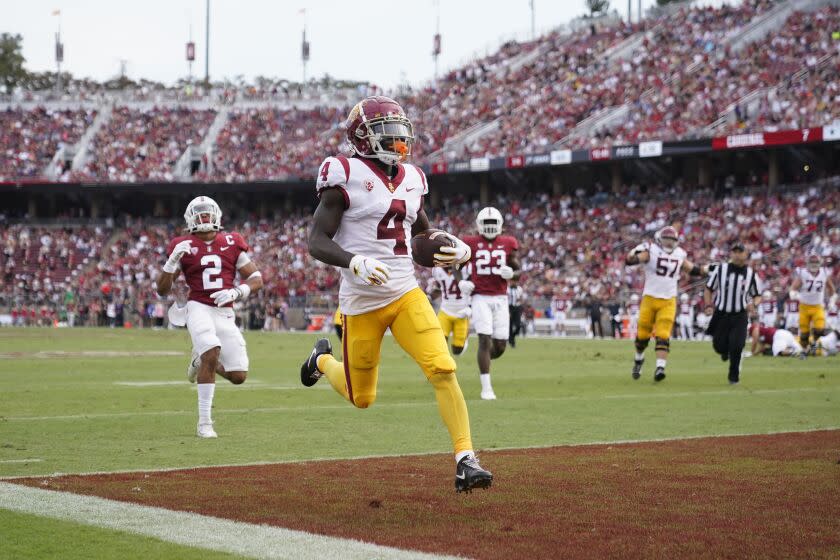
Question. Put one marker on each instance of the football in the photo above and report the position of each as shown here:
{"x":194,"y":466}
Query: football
{"x":424,"y":245}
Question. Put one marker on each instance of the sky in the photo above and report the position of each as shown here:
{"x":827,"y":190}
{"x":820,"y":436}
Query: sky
{"x":384,"y":43}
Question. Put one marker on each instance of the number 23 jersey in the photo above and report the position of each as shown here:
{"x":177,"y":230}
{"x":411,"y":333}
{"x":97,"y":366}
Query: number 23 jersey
{"x":487,"y":256}
{"x":378,"y":214}
{"x":662,"y":271}
{"x":211,"y":266}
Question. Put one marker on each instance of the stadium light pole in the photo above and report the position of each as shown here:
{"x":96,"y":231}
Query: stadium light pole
{"x":207,"y":44}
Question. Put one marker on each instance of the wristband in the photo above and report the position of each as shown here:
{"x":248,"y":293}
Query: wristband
{"x":170,"y":267}
{"x":244,"y":291}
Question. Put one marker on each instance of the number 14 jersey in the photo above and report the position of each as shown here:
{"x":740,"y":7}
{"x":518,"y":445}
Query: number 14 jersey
{"x":378,"y":214}
{"x":662,"y":271}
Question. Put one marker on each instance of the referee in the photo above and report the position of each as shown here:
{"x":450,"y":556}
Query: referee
{"x":737,"y":291}
{"x":516,"y":295}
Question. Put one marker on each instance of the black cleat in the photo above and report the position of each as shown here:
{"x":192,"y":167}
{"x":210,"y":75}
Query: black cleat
{"x":469,"y":475}
{"x":659,"y":375}
{"x":309,"y":374}
{"x":637,"y":368}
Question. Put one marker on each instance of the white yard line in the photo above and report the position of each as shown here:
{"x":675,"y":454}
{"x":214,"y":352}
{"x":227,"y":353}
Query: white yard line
{"x":427,"y":453}
{"x":190,"y":529}
{"x":430,"y":404}
{"x":35,"y":460}
{"x":90,"y":354}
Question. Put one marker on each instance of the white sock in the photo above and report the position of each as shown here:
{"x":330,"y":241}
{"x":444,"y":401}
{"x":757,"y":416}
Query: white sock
{"x":462,"y":454}
{"x":485,"y":382}
{"x":660,"y":362}
{"x":640,"y":356}
{"x":205,"y":402}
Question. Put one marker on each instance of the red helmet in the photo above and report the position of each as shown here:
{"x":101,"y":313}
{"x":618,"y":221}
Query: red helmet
{"x":667,"y":238}
{"x":378,"y":128}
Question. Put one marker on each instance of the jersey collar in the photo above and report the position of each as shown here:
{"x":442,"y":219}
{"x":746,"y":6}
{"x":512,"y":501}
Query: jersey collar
{"x":390,"y":184}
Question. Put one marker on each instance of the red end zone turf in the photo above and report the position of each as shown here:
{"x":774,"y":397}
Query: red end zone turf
{"x":775,"y":496}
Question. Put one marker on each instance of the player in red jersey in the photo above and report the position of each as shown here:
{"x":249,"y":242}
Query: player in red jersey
{"x":494,"y":262}
{"x":210,"y":259}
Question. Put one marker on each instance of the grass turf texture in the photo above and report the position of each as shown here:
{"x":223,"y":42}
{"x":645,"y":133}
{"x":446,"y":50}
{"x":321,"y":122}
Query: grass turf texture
{"x":32,"y":537}
{"x":75,"y":413}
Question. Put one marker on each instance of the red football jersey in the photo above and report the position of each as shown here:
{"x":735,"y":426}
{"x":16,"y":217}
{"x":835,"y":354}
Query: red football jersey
{"x":487,"y":256}
{"x":210,"y":266}
{"x":765,"y":334}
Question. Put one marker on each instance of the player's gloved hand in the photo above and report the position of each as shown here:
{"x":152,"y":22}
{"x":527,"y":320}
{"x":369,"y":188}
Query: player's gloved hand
{"x":640,"y":248}
{"x":178,"y":252}
{"x":224,"y":297}
{"x":459,"y":254}
{"x":466,"y":287}
{"x":794,"y":295}
{"x":506,"y":272}
{"x":371,"y":271}
{"x":467,"y":313}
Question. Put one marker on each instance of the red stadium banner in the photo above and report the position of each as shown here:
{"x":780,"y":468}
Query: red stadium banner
{"x":779,"y":138}
{"x":439,"y":168}
{"x":515,"y":161}
{"x":599,"y":154}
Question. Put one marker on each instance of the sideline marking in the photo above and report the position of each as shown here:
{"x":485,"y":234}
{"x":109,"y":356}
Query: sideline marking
{"x":89,"y":354}
{"x":191,"y":529}
{"x":430,"y":404}
{"x":426,"y":453}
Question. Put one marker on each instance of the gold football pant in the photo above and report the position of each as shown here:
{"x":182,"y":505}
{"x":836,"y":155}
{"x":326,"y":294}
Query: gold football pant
{"x":656,"y":316}
{"x":810,"y":315}
{"x":459,"y":328}
{"x":416,"y":329}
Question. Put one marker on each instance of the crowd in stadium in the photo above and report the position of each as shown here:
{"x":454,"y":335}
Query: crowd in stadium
{"x":676,"y":82}
{"x":572,"y":246}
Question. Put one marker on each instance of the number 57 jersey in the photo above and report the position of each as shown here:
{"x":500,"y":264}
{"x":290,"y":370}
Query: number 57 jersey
{"x":378,"y":214}
{"x":662,"y":271}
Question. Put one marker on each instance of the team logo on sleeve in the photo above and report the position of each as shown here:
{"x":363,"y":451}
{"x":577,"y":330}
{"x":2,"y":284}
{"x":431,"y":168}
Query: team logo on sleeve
{"x":368,"y":185}
{"x":194,"y":250}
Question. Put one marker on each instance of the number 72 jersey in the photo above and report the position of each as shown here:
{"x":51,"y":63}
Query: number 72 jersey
{"x":662,"y":271}
{"x":210,"y":267}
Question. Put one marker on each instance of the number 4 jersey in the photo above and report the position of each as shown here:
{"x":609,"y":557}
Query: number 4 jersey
{"x":487,"y":256}
{"x":378,"y":214}
{"x":662,"y":271}
{"x":211,"y":266}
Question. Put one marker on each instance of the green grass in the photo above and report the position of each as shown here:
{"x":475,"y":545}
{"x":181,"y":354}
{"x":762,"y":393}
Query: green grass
{"x":73,"y":414}
{"x":27,"y":536}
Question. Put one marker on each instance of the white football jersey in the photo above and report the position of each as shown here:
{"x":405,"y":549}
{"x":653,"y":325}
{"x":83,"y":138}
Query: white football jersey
{"x":812,"y":291}
{"x":662,"y":271}
{"x":452,"y":301}
{"x":377,"y":220}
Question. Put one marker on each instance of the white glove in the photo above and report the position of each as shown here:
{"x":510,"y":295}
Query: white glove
{"x":506,"y":272}
{"x":178,"y":252}
{"x":794,"y":295}
{"x":459,"y":254}
{"x":371,"y":271}
{"x":466,"y":287}
{"x":467,"y":313}
{"x":640,"y":248}
{"x":224,"y":297}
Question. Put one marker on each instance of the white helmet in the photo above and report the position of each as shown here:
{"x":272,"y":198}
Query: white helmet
{"x":813,"y":263}
{"x":203,"y":214}
{"x":489,"y":222}
{"x":634,"y":298}
{"x":684,"y":298}
{"x":668,"y":238}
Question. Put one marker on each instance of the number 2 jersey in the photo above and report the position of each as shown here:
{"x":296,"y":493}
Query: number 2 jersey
{"x":662,"y":271}
{"x":487,"y":256}
{"x":378,"y":215}
{"x":210,"y":266}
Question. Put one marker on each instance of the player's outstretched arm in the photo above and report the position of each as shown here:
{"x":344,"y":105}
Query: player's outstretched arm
{"x":164,"y":282}
{"x":797,"y":283}
{"x":325,"y":224}
{"x":638,"y":255}
{"x":694,"y":269}
{"x":830,"y":290}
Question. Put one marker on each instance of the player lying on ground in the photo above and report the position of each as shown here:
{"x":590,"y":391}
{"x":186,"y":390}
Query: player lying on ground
{"x":210,"y":260}
{"x":663,"y":262}
{"x":771,"y":341}
{"x":370,"y":204}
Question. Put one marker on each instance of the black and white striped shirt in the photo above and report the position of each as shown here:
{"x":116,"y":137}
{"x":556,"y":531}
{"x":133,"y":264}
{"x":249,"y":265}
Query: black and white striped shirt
{"x":734,"y":286}
{"x":515,"y":295}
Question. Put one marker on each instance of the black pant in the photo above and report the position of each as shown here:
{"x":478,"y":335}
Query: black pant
{"x":729,"y":337}
{"x":515,"y":323}
{"x":597,"y":329}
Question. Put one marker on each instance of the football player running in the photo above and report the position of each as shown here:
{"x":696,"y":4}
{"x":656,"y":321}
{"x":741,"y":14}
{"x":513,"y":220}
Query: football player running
{"x":663,"y":262}
{"x":814,"y":283}
{"x":494,"y":262}
{"x":370,"y":204}
{"x":210,"y":259}
{"x":454,"y":314}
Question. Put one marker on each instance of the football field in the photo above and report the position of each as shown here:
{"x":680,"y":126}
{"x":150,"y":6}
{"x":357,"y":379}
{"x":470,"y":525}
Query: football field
{"x":109,"y":403}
